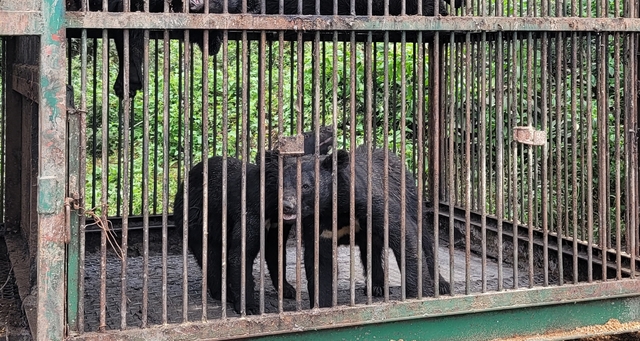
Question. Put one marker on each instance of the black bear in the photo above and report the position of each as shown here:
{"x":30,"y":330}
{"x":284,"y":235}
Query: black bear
{"x":214,"y":255}
{"x":290,"y":203}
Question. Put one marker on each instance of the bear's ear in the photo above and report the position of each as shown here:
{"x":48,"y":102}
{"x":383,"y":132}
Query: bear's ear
{"x":343,"y":160}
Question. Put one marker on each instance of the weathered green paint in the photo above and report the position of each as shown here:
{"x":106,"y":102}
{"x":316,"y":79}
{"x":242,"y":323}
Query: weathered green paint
{"x":51,"y":174}
{"x":73,"y":183}
{"x":417,"y":311}
{"x":159,"y":21}
{"x":487,"y":325}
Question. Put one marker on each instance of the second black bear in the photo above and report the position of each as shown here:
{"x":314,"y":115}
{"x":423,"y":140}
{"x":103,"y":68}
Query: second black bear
{"x":214,"y":241}
{"x":325,"y":216}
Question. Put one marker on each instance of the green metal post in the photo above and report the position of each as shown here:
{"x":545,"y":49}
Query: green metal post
{"x":52,"y":174}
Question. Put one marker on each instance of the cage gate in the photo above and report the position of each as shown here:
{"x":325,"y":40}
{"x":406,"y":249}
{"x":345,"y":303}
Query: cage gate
{"x":453,"y":164}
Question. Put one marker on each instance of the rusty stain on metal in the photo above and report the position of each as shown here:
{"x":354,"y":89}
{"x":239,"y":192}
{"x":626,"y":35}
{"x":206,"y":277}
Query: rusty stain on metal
{"x":530,"y":136}
{"x":291,"y":145}
{"x":158,"y":21}
{"x":20,"y":23}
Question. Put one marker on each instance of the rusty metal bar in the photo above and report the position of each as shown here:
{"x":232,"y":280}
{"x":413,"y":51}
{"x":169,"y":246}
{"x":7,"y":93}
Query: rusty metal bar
{"x":467,"y":168}
{"x":451,"y":118}
{"x":531,"y":192}
{"x":369,"y":144}
{"x":385,"y":175}
{"x":145,"y":180}
{"x":244,"y":270}
{"x":281,"y":244}
{"x":602,"y":123}
{"x":298,"y":122}
{"x":205,"y":168}
{"x":403,"y":159}
{"x":104,"y":186}
{"x":156,"y":21}
{"x":574,"y":152}
{"x":618,"y":193}
{"x":499,"y":156}
{"x":316,"y":163}
{"x":421,"y":143}
{"x":434,"y":177}
{"x":186,"y":166}
{"x":225,"y":151}
{"x":589,"y":167}
{"x":352,"y":169}
{"x":334,"y":175}
{"x":165,"y":173}
{"x":558,"y":159}
{"x":261,"y":133}
{"x":483,"y":156}
{"x":545,"y":154}
{"x":512,"y":100}
{"x":125,"y":106}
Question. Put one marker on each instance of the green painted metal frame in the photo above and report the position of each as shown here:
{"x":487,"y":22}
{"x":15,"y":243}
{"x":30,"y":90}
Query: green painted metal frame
{"x":52,"y":144}
{"x":355,"y":322}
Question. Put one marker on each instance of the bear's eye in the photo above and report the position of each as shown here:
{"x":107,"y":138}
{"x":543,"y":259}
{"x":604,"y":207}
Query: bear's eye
{"x":306,"y":186}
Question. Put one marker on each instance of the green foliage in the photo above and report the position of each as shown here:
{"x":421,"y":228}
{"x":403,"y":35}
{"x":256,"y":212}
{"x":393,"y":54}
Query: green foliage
{"x":494,"y":86}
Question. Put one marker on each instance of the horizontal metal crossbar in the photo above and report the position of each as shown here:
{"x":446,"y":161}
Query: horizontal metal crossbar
{"x":161,"y":21}
{"x":20,"y":23}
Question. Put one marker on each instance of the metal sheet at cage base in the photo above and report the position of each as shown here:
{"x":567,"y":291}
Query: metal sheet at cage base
{"x":559,"y":297}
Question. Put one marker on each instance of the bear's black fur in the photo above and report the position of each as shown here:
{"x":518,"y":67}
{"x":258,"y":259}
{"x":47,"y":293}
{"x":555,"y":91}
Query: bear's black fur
{"x":377,"y":212}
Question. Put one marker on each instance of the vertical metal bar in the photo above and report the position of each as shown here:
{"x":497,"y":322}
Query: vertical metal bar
{"x":559,"y":179}
{"x":451,"y":158}
{"x":631,"y":147}
{"x":51,"y":174}
{"x":126,"y":105}
{"x":499,"y":155}
{"x":225,"y":151}
{"x":298,"y":109}
{"x":467,"y":170}
{"x":602,"y":149}
{"x":385,"y":176}
{"x":281,"y":129}
{"x":261,"y":122}
{"x":514,"y":161}
{"x":369,"y":143}
{"x":316,"y":159}
{"x":531,"y":192}
{"x":420,"y":148}
{"x":352,"y":167}
{"x":589,"y":167}
{"x":186,"y":64}
{"x":403,"y":159}
{"x":145,"y":178}
{"x":334,"y":176}
{"x":205,"y":168}
{"x":618,"y":193}
{"x":545,"y":157}
{"x":434,"y":170}
{"x":104,"y":185}
{"x":165,"y":171}
{"x":483,"y":157}
{"x":76,"y":187}
{"x":574,"y":152}
{"x":243,"y":191}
